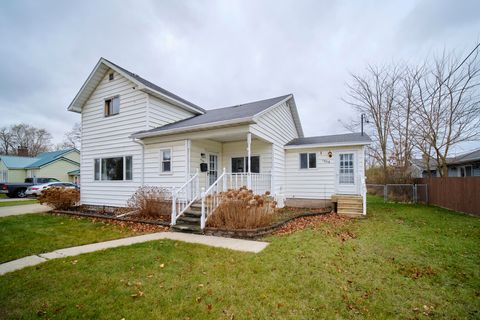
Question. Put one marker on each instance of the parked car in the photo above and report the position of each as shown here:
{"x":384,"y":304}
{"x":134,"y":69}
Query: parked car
{"x":37,"y":190}
{"x":17,"y":190}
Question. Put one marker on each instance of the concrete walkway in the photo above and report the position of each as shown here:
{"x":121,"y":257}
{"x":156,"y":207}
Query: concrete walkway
{"x":23,"y":209}
{"x":15,"y":199}
{"x":227,"y":243}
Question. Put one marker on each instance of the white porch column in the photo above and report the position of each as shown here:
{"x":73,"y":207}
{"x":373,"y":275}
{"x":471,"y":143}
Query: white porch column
{"x":249,"y":160}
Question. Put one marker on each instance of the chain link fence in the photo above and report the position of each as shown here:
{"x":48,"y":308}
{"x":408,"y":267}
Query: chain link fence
{"x":404,"y":193}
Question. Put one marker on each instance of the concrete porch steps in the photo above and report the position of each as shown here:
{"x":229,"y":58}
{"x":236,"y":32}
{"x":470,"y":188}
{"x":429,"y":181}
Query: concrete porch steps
{"x":189,"y":221}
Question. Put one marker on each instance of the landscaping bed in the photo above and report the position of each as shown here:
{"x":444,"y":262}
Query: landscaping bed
{"x":281,"y":218}
{"x":114,"y":214}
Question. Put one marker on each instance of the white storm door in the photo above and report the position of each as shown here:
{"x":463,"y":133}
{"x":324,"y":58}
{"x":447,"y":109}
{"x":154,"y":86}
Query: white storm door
{"x":346,"y":173}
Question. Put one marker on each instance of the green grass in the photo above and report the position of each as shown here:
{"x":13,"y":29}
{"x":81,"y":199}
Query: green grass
{"x":17,"y":203}
{"x":404,"y":261}
{"x":29,"y":234}
{"x":3,"y":196}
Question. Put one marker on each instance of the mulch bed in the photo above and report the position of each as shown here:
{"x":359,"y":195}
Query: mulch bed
{"x":313,"y":222}
{"x":285,"y":216}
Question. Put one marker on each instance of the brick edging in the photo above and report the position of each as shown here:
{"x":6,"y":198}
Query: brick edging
{"x":258,"y":232}
{"x":99,"y":216}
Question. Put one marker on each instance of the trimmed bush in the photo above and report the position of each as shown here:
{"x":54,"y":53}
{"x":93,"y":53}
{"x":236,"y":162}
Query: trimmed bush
{"x":241,"y":209}
{"x":151,"y":202}
{"x":60,"y":198}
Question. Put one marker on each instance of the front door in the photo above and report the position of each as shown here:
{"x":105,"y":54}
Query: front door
{"x":212,"y":168}
{"x":346,"y":173}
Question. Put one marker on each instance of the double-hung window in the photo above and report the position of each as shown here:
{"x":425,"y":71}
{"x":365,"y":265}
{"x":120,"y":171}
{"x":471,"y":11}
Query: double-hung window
{"x":165,"y":160}
{"x":308,"y":160}
{"x":112,"y":106}
{"x":114,"y":168}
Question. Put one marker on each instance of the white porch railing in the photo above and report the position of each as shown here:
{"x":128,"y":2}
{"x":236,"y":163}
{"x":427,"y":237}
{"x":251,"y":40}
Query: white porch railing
{"x":184,"y":196}
{"x":259,"y":183}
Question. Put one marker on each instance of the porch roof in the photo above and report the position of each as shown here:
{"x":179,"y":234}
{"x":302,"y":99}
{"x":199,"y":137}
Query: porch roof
{"x":242,"y":113}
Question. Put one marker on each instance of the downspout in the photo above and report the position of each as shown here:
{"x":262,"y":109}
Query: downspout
{"x":140,"y":142}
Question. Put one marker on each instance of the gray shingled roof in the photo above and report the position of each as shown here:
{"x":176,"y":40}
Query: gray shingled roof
{"x":157,"y":88}
{"x":336,"y":138}
{"x":241,"y":111}
{"x":466,"y":157}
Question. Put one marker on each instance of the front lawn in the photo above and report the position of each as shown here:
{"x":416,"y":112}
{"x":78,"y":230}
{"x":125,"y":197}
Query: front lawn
{"x":16,"y":203}
{"x":403,"y":261}
{"x":29,"y":234}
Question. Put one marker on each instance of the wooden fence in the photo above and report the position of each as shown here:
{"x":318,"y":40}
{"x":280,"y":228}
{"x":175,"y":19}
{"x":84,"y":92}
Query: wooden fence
{"x":455,"y":193}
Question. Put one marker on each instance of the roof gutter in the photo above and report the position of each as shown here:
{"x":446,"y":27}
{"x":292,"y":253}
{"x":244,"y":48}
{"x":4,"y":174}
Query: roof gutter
{"x":317,"y":145}
{"x":203,"y":126}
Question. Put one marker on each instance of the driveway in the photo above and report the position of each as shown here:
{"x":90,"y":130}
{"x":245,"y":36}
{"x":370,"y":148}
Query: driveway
{"x":23,"y":209}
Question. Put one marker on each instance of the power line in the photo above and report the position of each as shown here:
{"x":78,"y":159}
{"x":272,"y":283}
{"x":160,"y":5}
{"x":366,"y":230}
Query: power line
{"x":454,"y":70}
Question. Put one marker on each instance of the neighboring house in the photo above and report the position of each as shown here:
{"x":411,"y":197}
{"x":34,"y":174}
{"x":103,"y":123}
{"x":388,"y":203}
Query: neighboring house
{"x":135,"y":133}
{"x":464,"y":165}
{"x":62,"y":165}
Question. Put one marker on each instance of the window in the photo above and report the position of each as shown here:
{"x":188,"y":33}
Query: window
{"x":346,"y":174}
{"x":240,"y":164}
{"x":308,"y":160}
{"x":128,"y":168}
{"x":112,"y":106}
{"x":97,"y":169}
{"x":110,"y":76}
{"x":117,"y":168}
{"x":166,"y":160}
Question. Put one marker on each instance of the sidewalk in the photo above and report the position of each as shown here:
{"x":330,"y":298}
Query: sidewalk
{"x":227,"y":243}
{"x":23,"y":209}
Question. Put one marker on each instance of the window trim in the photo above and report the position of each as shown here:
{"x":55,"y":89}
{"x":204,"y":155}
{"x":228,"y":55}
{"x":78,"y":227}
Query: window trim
{"x":106,"y":108}
{"x":124,"y":169}
{"x":308,"y":160}
{"x":161,"y":172}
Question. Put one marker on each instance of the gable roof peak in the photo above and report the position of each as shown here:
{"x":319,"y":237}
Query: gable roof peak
{"x":98,"y":73}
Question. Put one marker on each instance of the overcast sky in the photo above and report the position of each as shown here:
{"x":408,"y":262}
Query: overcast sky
{"x":217,"y":53}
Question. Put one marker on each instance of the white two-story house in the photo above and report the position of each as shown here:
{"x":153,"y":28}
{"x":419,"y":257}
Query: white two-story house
{"x":136,"y":133}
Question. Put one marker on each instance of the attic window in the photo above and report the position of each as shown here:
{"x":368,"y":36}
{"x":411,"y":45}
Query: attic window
{"x":110,"y":76}
{"x":112,"y":106}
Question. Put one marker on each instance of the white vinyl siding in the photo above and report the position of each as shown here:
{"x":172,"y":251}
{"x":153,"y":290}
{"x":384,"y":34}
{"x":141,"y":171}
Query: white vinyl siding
{"x":319,"y":182}
{"x":104,"y":137}
{"x":161,"y":112}
{"x":278,"y":127}
{"x":153,"y":161}
{"x":239,"y":149}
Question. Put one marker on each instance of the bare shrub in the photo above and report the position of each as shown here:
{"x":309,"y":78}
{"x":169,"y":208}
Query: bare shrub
{"x":60,"y":198}
{"x":151,"y":202}
{"x":241,"y":209}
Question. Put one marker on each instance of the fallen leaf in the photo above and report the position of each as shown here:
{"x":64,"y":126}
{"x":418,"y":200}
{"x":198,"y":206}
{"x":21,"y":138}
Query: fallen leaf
{"x":162,"y":265}
{"x":209,"y":306}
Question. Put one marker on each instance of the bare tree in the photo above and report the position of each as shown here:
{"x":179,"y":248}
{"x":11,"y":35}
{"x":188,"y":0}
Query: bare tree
{"x":374,"y":94}
{"x":72,"y":138}
{"x":448,"y":107}
{"x":6,"y":141}
{"x":34,"y":139}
